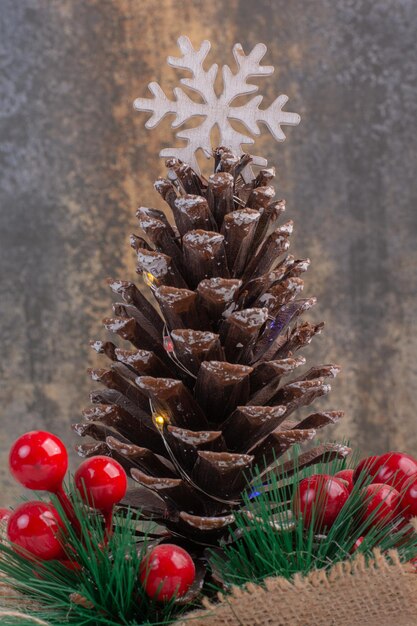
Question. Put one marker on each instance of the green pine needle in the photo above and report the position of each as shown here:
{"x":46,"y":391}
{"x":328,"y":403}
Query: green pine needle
{"x":108,"y":581}
{"x":269,"y":541}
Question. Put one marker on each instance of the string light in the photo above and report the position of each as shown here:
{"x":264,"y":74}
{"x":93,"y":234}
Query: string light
{"x":239,"y":201}
{"x":149,"y":280}
{"x":168,"y":343}
{"x":170,"y":350}
{"x":160,"y":421}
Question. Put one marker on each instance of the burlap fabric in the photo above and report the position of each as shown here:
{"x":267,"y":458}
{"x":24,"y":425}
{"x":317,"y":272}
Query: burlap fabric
{"x":382,"y":593}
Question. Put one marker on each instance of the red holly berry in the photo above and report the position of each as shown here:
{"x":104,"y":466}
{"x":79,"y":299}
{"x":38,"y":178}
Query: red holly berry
{"x":5,"y":514}
{"x":39,"y":460}
{"x":101,"y":482}
{"x":364,"y":468}
{"x":168,"y":571}
{"x":356,"y":544}
{"x":319,"y":497}
{"x":346,"y":475}
{"x":409,"y":501}
{"x":36,"y":527}
{"x":74,"y":566}
{"x":382,"y":497}
{"x":395,"y":469}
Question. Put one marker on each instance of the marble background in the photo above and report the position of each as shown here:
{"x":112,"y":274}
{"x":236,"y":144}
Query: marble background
{"x":75,"y":162}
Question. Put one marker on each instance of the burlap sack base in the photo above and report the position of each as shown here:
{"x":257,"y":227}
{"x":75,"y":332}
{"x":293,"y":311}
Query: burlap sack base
{"x":352,"y":593}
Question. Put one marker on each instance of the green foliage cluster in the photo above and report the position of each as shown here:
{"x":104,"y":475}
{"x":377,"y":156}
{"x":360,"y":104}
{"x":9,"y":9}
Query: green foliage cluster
{"x":267,"y":541}
{"x":270,"y":541}
{"x":107,"y":586}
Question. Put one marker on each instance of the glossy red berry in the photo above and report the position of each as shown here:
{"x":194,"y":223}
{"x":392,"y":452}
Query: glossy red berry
{"x":364,"y":468}
{"x":409,"y":500}
{"x":346,"y":475}
{"x":395,"y":469}
{"x":74,"y":566}
{"x":356,"y":544}
{"x":167,"y":572}
{"x":39,"y":460}
{"x":382,"y":497}
{"x":319,"y":497}
{"x":36,"y":528}
{"x":101,"y":481}
{"x":5,"y":514}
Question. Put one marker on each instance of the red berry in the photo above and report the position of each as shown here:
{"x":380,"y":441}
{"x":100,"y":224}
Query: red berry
{"x":346,"y":475}
{"x":364,"y":468}
{"x":167,"y":572}
{"x":39,"y":460}
{"x":409,"y":501}
{"x":319,"y":496}
{"x":74,"y":566}
{"x":35,"y":527}
{"x":395,"y":469}
{"x":356,"y":544}
{"x":5,"y":514}
{"x":382,"y":497}
{"x":101,"y":481}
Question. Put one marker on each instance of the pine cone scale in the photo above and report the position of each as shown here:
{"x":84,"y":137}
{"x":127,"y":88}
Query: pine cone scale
{"x":200,"y":400}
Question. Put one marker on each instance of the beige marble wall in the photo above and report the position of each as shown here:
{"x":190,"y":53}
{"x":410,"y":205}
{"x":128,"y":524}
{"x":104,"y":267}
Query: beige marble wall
{"x":75,"y":162}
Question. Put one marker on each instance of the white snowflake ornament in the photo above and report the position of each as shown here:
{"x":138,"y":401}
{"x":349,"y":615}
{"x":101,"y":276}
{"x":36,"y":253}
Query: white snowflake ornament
{"x":217,"y":110}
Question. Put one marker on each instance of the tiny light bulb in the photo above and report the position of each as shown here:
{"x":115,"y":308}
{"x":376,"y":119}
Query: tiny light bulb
{"x":168,"y":344}
{"x":149,"y":279}
{"x":159,"y":421}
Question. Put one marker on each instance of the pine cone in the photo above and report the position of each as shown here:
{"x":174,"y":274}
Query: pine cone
{"x":203,"y":397}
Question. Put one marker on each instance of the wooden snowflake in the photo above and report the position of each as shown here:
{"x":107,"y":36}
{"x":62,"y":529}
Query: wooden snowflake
{"x":217,"y":110}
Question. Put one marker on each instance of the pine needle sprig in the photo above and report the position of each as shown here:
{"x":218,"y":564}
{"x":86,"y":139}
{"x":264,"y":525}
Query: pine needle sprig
{"x":104,"y":590}
{"x":269,"y":540}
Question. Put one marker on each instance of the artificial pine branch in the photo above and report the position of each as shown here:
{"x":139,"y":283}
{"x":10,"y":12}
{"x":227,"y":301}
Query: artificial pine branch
{"x":270,"y":541}
{"x":15,"y":618}
{"x":267,"y":540}
{"x":104,"y":591}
